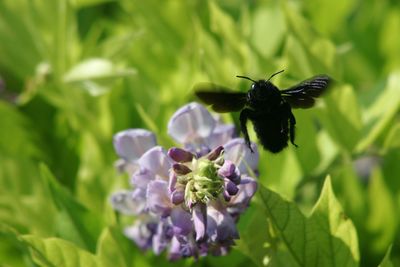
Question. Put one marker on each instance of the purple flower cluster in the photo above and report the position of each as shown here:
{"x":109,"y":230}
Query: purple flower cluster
{"x":186,"y":201}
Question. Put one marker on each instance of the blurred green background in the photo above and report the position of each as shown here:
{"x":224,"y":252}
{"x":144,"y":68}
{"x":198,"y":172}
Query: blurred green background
{"x":75,"y":72}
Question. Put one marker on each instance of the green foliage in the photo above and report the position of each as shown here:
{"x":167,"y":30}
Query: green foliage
{"x":326,"y":238}
{"x":78,"y":71}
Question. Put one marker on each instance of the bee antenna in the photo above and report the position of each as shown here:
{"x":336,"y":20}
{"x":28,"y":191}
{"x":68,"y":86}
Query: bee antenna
{"x":275,"y":74}
{"x":247,"y":78}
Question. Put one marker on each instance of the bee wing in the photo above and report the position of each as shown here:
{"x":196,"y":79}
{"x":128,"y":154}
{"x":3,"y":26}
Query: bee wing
{"x":220,"y":98}
{"x":303,"y":94}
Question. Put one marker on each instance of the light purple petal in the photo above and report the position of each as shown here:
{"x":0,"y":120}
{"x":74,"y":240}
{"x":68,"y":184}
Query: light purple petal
{"x":175,"y":249}
{"x":238,"y":152}
{"x":129,"y":202}
{"x":122,"y":165}
{"x":191,"y":123}
{"x":133,"y":143}
{"x":230,"y":171}
{"x":247,"y":189}
{"x":172,"y":182}
{"x":158,"y":198}
{"x":220,"y":225}
{"x":141,"y":233}
{"x":181,"y":221}
{"x":157,"y":161}
{"x":198,"y":149}
{"x":199,"y":220}
{"x":162,"y":237}
{"x":221,"y":135}
{"x":227,"y":169}
{"x":141,"y":178}
{"x":183,"y":246}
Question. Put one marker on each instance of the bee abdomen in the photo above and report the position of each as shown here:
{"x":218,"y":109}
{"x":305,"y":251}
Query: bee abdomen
{"x":272,"y":131}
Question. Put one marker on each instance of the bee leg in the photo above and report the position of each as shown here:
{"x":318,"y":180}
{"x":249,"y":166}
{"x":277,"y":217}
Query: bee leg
{"x":244,"y":116}
{"x":292,"y":121}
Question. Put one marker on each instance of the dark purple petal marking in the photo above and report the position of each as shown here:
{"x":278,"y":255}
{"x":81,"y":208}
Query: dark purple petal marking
{"x":180,"y":155}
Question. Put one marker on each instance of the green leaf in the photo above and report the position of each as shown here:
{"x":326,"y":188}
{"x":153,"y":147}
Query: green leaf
{"x":393,"y":138}
{"x":16,"y":141}
{"x":326,"y":238}
{"x":337,"y":12}
{"x":224,"y":25}
{"x":342,"y":112}
{"x":13,"y":252}
{"x":328,"y":151}
{"x":292,"y":227}
{"x":282,"y":172}
{"x":75,"y":222}
{"x":149,"y":122}
{"x":255,"y":235}
{"x":93,"y":74}
{"x":306,"y":139}
{"x":382,"y":223}
{"x":55,"y":252}
{"x":319,"y":52}
{"x":114,"y":248}
{"x":298,"y":60}
{"x":335,"y":233}
{"x":381,"y":113}
{"x":386,"y":262}
{"x":86,"y":3}
{"x":267,"y":39}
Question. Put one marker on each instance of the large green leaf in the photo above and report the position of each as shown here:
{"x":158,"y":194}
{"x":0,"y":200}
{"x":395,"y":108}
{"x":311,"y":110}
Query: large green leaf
{"x":335,"y":233}
{"x":255,"y":236}
{"x":326,"y":238}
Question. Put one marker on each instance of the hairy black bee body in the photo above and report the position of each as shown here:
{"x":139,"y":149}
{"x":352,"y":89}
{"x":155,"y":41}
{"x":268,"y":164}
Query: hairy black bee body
{"x":271,"y":116}
{"x":267,"y":107}
{"x":272,"y":128}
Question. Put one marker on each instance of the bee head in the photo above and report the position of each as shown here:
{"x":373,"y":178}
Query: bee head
{"x":263,"y":92}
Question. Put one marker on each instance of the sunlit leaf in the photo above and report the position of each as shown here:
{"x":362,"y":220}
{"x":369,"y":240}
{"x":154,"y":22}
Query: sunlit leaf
{"x":114,"y":248}
{"x":93,"y":75}
{"x":342,"y":112}
{"x":255,"y":236}
{"x":54,"y":252}
{"x":382,"y":112}
{"x":335,"y":233}
{"x":326,"y":238}
{"x":268,"y":29}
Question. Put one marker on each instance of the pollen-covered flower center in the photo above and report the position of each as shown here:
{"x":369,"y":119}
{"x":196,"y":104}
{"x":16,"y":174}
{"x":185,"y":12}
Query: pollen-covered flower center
{"x":203,"y":183}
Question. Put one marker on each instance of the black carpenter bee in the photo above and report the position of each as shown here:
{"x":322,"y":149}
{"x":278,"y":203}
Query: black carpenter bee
{"x":269,"y":108}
